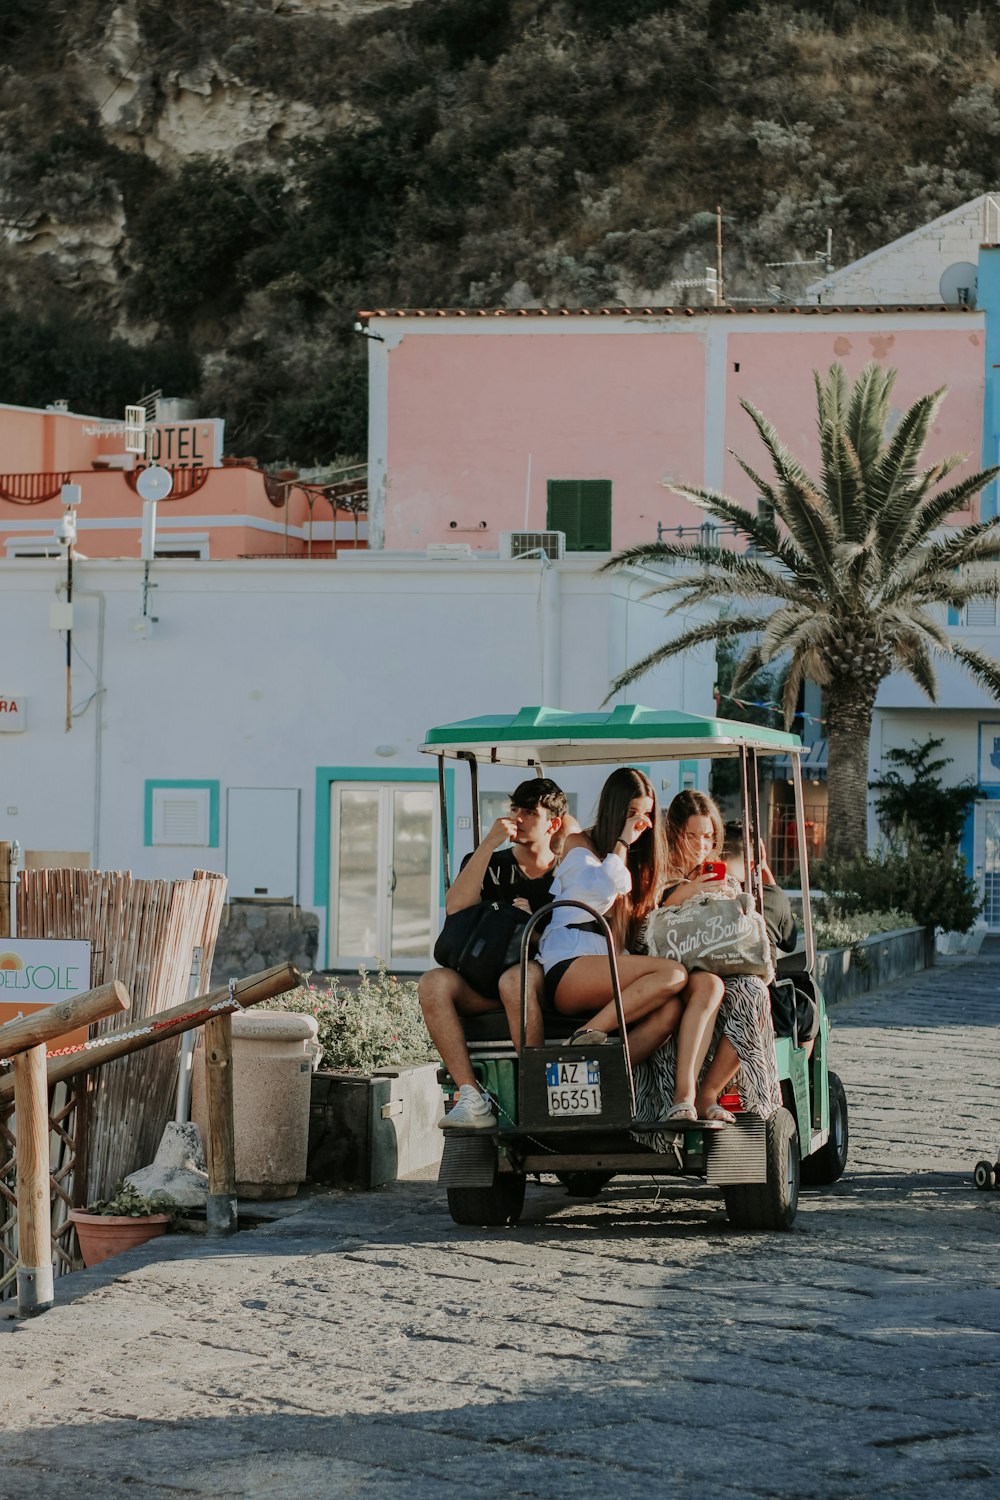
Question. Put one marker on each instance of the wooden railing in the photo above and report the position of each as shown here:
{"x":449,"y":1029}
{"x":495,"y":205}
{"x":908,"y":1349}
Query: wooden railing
{"x":23,"y":1043}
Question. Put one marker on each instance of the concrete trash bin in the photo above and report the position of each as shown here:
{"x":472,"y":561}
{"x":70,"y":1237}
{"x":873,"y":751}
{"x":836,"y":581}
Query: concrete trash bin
{"x":272,"y":1078}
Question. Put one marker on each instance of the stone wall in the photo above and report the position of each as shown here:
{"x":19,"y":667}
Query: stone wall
{"x":255,"y":936}
{"x":872,"y":963}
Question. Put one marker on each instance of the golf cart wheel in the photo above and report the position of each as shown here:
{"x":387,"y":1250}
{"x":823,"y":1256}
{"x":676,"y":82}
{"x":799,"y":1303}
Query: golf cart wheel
{"x":490,"y":1206}
{"x":584,"y":1184}
{"x":772,"y":1204}
{"x":985,"y":1176}
{"x":828,"y":1163}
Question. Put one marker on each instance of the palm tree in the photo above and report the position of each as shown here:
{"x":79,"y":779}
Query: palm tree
{"x":846,"y":575}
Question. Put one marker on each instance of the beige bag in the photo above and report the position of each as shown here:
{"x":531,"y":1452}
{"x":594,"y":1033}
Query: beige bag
{"x":722,"y":935}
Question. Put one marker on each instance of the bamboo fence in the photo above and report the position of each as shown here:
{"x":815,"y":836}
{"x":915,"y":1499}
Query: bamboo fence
{"x":107,"y":1123}
{"x":143,"y":933}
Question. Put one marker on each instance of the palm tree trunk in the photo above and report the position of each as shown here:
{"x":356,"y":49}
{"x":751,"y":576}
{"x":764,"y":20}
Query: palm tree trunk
{"x":848,"y":725}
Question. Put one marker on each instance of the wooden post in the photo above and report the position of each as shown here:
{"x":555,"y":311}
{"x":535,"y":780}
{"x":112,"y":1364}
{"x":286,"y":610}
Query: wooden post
{"x":220,"y":1148}
{"x":6,"y":874}
{"x":35,"y":1290}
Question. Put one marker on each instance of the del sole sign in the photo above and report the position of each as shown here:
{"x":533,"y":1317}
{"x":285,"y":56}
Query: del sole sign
{"x":37,"y":972}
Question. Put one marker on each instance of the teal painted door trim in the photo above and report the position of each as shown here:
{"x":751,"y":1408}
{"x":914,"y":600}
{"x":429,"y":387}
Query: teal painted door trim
{"x":988,"y":298}
{"x":157,"y":785}
{"x":327,"y":775}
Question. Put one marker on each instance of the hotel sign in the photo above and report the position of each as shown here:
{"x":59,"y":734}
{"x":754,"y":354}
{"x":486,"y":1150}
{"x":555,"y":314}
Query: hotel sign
{"x":38,"y":972}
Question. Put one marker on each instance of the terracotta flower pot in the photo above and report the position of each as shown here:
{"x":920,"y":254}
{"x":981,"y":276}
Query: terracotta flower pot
{"x":104,"y":1235}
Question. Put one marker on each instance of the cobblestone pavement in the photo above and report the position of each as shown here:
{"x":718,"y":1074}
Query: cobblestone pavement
{"x":626,"y":1347}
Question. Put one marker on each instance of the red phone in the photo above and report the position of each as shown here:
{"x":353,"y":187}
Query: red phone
{"x":714,"y":869}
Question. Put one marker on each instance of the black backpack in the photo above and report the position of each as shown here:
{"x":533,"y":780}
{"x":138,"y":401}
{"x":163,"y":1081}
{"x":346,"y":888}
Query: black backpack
{"x":480,"y":943}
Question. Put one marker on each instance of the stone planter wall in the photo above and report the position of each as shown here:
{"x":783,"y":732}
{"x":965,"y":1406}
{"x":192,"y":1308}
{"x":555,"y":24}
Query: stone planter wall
{"x":365,"y":1131}
{"x":886,"y":956}
{"x":257,"y":936}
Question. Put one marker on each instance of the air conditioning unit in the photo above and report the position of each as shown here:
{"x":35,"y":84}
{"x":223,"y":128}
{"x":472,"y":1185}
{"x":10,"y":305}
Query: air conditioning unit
{"x":514,"y":544}
{"x":443,"y":550}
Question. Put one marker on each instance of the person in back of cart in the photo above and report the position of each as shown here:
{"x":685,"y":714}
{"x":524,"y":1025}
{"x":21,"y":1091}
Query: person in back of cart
{"x":521,"y":875}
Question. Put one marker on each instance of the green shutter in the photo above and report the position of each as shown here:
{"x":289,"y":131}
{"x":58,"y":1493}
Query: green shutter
{"x":582,"y":509}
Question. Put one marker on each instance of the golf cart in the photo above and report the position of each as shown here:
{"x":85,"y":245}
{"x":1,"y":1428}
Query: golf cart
{"x":573,"y":1115}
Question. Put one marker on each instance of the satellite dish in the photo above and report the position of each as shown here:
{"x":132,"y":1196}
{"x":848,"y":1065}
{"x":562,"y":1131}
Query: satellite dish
{"x":154,"y":483}
{"x":958,"y":284}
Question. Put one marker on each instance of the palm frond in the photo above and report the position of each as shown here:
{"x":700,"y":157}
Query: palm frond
{"x":781,"y":628}
{"x":984,"y":669}
{"x":727,"y":627}
{"x":726,"y":573}
{"x":760,"y":530}
{"x":794,"y":678}
{"x":867,"y":413}
{"x":898,"y":623}
{"x":912,"y":654}
{"x":930,"y":511}
{"x":797,"y":502}
{"x":890,"y":480}
{"x":843,"y":482}
{"x":977,"y":543}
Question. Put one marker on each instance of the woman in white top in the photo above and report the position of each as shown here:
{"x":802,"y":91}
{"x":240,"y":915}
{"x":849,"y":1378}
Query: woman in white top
{"x":617,"y":867}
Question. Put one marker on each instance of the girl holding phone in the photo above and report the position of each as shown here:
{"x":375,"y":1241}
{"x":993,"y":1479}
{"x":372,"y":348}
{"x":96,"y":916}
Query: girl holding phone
{"x":694,"y":833}
{"x":617,"y":867}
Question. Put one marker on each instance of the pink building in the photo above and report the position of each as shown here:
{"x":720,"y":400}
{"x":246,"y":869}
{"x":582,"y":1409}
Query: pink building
{"x":577,"y":420}
{"x":218,"y":507}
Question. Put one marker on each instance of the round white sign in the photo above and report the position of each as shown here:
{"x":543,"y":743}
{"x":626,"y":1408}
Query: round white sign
{"x":154,"y":483}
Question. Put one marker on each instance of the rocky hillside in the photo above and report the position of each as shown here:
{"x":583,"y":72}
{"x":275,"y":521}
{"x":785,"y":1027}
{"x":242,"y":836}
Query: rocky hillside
{"x":198,"y":195}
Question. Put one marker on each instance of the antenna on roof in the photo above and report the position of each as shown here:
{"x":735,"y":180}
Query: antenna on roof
{"x":137,"y":419}
{"x":712,"y":279}
{"x":822,"y":258}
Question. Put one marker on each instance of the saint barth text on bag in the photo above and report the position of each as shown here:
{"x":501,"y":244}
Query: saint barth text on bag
{"x":723,"y":935}
{"x":481,"y":942}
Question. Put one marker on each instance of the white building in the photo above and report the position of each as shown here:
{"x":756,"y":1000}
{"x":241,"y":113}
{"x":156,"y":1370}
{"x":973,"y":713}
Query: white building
{"x":268,"y":722}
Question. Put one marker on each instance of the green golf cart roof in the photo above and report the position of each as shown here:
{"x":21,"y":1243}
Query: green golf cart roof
{"x":557,"y":737}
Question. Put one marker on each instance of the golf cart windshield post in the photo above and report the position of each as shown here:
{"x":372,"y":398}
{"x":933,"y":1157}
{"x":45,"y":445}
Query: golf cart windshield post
{"x":616,"y":989}
{"x":750,"y":807}
{"x":470,"y":756}
{"x":800,"y":827}
{"x":757,"y":865}
{"x":443,"y":799}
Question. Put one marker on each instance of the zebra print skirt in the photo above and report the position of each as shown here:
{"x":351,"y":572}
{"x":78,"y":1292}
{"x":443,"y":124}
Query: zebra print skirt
{"x":745,"y":1018}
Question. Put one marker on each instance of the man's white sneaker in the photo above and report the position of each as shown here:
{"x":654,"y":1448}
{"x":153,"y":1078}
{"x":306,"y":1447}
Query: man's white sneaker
{"x":471,"y":1112}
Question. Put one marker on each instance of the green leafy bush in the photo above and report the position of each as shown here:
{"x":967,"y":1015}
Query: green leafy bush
{"x":921,"y":807}
{"x":934,"y":886}
{"x":376,"y":1024}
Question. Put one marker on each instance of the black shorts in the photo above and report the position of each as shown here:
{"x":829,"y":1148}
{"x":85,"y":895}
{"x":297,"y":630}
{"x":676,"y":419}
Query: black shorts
{"x":552,"y":978}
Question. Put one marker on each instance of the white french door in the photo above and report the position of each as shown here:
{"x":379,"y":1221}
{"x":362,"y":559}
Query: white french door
{"x":384,"y":873}
{"x":987,"y":860}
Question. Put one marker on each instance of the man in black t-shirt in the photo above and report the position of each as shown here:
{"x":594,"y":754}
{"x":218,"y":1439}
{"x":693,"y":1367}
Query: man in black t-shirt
{"x":522,"y":876}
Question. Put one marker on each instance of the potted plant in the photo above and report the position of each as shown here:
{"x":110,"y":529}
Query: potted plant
{"x":376,"y":1100}
{"x":120,"y":1223}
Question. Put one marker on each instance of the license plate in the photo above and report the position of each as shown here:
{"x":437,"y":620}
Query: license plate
{"x":573,"y":1088}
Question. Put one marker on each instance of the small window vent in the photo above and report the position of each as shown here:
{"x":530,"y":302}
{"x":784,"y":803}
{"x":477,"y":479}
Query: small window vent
{"x":531,"y":544}
{"x":180,"y":817}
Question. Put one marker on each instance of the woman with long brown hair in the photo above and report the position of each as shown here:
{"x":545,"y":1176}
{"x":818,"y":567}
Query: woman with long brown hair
{"x":617,"y":868}
{"x":743,"y":1035}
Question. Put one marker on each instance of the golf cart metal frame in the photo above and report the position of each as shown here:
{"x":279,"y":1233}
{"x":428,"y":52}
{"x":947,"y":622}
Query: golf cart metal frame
{"x":757,"y":1164}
